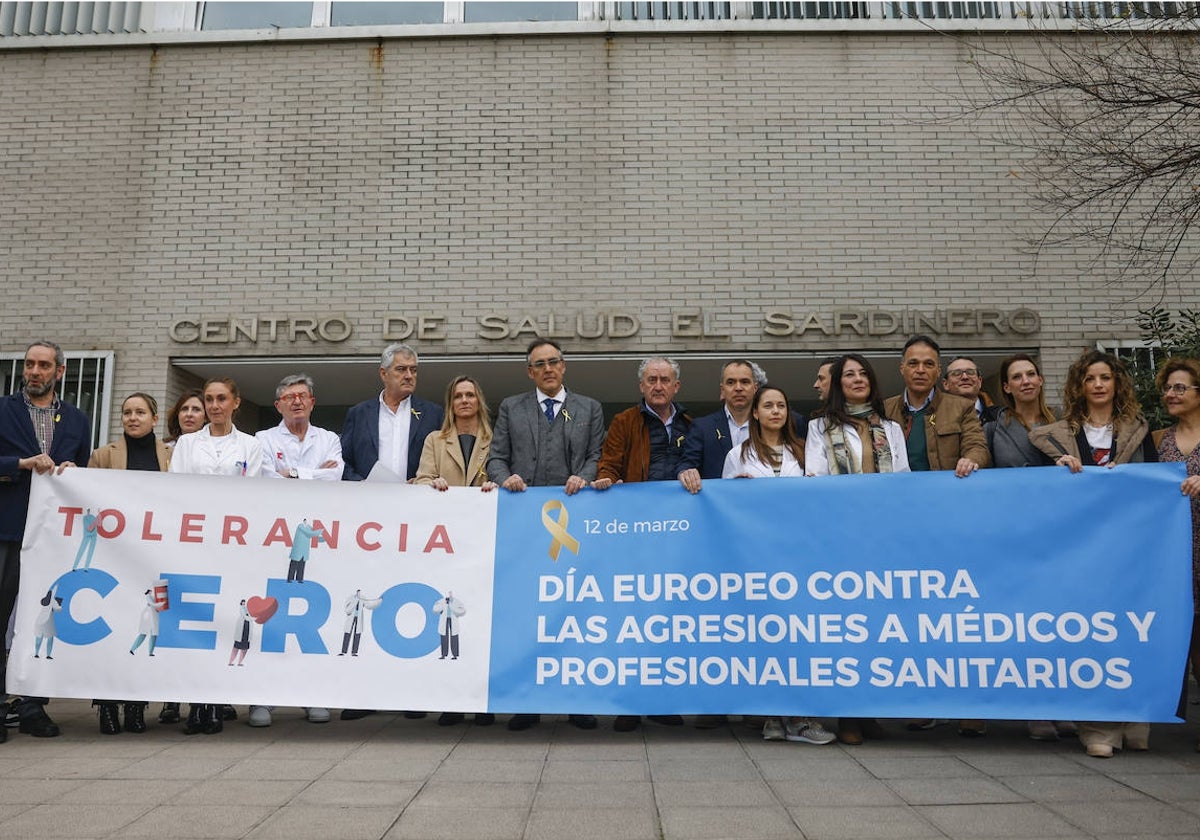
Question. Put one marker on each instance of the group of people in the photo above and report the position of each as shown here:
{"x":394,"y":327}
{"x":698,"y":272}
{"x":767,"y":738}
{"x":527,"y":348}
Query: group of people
{"x":550,"y":436}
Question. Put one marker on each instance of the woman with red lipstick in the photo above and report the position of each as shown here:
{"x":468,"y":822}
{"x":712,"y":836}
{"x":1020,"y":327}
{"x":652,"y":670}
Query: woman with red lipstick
{"x":1102,"y":426}
{"x":1179,"y":383}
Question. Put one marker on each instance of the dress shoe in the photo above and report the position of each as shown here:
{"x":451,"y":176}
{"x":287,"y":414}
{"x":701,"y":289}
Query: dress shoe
{"x":110,"y":718}
{"x":3,"y":734}
{"x":582,"y":721}
{"x":194,"y":724}
{"x":666,"y":720}
{"x":38,"y":724}
{"x":135,"y":718}
{"x":228,"y":713}
{"x":450,"y":718}
{"x":485,"y":719}
{"x":355,"y":714}
{"x":216,"y":719}
{"x":169,"y":713}
{"x":626,"y":723}
{"x":1099,"y":750}
{"x":519,"y":723}
{"x":850,"y":733}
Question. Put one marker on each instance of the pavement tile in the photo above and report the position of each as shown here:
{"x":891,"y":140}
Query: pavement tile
{"x":489,"y":771}
{"x":60,"y":820}
{"x":1130,"y":818}
{"x":597,"y":770}
{"x":843,"y":769}
{"x":1078,"y":787}
{"x":175,"y":766}
{"x":592,"y":752}
{"x":1127,"y":763}
{"x":953,"y":791}
{"x":66,"y":767}
{"x":398,"y":769}
{"x":556,"y":795}
{"x":817,"y":790}
{"x":21,"y":791}
{"x":145,"y":791}
{"x":683,"y":770}
{"x":1000,"y":821}
{"x":862,"y":823}
{"x":1167,"y":787}
{"x":714,"y":794}
{"x":1027,"y":764}
{"x":933,"y":767}
{"x":280,"y":769}
{"x":208,"y":820}
{"x":475,"y":823}
{"x":395,"y":795}
{"x":270,"y":792}
{"x":450,"y":795}
{"x":688,"y":823}
{"x":494,"y":751}
{"x":311,"y":822}
{"x":593,"y":824}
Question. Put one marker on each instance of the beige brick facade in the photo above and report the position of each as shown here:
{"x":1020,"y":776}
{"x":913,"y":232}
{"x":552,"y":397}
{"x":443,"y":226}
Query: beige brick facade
{"x":740,"y":174}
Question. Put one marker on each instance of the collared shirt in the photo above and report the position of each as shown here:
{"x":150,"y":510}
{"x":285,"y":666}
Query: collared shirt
{"x":559,"y":398}
{"x":670,"y":420}
{"x":913,"y":409}
{"x":393,"y":436}
{"x":737,"y":434}
{"x":43,"y":420}
{"x":283,"y":450}
{"x":664,"y":452}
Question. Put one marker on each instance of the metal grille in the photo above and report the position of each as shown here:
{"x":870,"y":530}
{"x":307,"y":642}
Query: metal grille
{"x":68,"y":18}
{"x":87,"y":385}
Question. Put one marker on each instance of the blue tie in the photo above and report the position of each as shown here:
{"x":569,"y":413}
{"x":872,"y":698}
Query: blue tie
{"x":550,"y":402}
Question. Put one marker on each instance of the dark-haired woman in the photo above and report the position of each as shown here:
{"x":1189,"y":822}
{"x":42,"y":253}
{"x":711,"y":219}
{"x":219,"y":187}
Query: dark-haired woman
{"x":217,"y":449}
{"x":774,"y":450}
{"x":853,"y":414}
{"x":186,"y":416}
{"x":1102,"y":426}
{"x":138,"y":448}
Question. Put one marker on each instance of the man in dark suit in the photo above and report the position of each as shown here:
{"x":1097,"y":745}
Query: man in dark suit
{"x":548,"y":437}
{"x":38,"y":433}
{"x":391,"y":428}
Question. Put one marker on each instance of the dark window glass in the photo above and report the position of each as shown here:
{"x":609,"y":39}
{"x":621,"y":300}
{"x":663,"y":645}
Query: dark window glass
{"x":366,"y":14}
{"x":496,"y":12}
{"x":256,"y":15}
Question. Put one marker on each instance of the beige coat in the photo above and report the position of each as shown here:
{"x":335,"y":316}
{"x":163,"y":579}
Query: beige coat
{"x":952,"y":430}
{"x":116,"y":457}
{"x":442,"y":457}
{"x":1129,"y":441}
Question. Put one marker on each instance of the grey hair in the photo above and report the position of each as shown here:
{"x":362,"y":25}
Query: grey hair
{"x":652,"y":359}
{"x":295,"y":379}
{"x":59,"y":358}
{"x":392,"y":351}
{"x":759,"y":375}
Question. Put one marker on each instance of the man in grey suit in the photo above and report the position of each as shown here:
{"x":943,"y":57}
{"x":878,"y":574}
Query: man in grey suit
{"x":546,"y":438}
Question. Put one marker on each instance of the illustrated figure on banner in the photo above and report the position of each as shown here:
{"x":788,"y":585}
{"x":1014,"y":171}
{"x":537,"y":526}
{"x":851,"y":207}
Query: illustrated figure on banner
{"x":449,"y":610}
{"x":301,"y":546}
{"x":87,"y":546}
{"x":353,"y":628}
{"x":156,"y":602}
{"x":251,"y":612}
{"x":43,"y":627}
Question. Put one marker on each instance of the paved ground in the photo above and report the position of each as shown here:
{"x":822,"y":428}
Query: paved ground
{"x":387,"y":777}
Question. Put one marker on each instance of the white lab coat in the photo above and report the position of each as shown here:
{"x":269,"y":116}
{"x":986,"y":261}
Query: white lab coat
{"x":196,"y":454}
{"x":283,"y":450}
{"x":735,"y":465}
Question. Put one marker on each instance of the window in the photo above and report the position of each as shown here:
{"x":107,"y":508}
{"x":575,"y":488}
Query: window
{"x":386,"y":14}
{"x":87,"y":385}
{"x":479,"y":12}
{"x":257,"y":15}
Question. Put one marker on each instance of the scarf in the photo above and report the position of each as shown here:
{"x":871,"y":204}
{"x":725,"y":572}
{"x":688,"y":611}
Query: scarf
{"x":876,"y":458}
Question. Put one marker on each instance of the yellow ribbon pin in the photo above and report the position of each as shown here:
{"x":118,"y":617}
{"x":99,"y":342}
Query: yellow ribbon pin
{"x":558,"y":529}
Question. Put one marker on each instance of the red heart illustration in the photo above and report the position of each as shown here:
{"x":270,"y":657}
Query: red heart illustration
{"x":261,"y":609}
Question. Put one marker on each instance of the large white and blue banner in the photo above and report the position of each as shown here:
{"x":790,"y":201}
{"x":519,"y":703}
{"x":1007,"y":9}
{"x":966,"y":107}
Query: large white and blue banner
{"x":1031,"y":594}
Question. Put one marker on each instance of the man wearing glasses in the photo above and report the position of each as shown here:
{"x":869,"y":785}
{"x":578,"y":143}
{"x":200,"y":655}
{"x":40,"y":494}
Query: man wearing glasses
{"x":964,"y":379}
{"x":295,"y":448}
{"x":548,"y":437}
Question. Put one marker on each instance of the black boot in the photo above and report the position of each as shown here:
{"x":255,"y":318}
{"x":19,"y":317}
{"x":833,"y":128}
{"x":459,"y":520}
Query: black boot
{"x":110,"y":718}
{"x":195,"y":719}
{"x":215,"y":718}
{"x":169,"y":713}
{"x":135,"y":717}
{"x":228,"y":712}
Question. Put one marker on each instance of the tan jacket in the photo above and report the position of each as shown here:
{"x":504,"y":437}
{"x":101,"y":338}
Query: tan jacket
{"x":952,"y":430}
{"x":442,"y":456}
{"x":116,"y":457}
{"x":1129,"y":441}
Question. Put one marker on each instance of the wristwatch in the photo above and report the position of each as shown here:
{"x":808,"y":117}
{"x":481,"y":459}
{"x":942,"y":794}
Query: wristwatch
{"x":293,"y":473}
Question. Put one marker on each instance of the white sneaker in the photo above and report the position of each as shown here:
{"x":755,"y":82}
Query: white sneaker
{"x":807,"y":731}
{"x":773,"y":730}
{"x":260,"y":715}
{"x":317,"y":715}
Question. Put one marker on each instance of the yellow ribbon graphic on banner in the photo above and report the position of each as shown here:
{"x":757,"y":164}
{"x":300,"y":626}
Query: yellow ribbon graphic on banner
{"x":558,"y":529}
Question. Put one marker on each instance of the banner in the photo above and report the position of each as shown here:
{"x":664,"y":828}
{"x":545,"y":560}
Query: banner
{"x":1028,"y":594}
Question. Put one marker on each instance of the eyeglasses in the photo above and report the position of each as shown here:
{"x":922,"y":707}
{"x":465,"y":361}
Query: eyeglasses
{"x":545,"y":363}
{"x":963,"y":373}
{"x":1179,"y":388}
